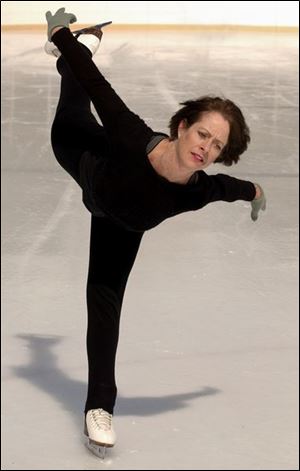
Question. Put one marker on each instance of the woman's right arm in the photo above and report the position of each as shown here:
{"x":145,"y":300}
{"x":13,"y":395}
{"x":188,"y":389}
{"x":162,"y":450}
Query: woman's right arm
{"x":118,"y":120}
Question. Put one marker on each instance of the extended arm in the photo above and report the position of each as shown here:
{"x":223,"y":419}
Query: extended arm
{"x":226,"y":188}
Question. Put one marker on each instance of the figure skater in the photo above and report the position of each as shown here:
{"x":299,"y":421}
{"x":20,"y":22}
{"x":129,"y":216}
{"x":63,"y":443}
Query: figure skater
{"x":132,"y":178}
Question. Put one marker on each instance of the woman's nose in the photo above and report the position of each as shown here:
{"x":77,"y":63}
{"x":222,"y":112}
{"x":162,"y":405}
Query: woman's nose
{"x":205,"y":145}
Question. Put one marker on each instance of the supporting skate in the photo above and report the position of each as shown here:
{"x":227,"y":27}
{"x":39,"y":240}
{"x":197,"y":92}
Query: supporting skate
{"x":96,"y":449}
{"x":96,"y":30}
{"x":99,"y":432}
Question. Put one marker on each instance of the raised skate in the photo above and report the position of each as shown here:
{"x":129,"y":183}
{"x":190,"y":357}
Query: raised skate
{"x":96,"y":30}
{"x":99,"y":432}
{"x":90,"y":37}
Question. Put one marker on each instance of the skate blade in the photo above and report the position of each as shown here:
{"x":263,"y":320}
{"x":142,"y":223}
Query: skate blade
{"x":98,"y":450}
{"x":99,"y":26}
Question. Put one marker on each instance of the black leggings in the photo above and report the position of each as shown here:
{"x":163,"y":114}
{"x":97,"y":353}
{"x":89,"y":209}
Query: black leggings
{"x":113,"y":249}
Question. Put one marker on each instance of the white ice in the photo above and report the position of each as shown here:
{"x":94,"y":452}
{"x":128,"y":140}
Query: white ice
{"x":208,"y":357}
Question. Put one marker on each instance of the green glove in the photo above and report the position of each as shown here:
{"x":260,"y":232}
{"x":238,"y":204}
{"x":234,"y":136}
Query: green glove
{"x":60,"y":18}
{"x":258,"y":204}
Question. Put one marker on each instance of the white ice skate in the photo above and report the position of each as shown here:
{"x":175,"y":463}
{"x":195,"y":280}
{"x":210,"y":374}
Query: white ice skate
{"x":99,"y":431}
{"x":89,"y":40}
{"x":90,"y":37}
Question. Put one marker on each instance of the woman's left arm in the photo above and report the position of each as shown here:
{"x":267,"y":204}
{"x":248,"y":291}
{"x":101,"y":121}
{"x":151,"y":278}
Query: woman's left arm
{"x":226,"y":188}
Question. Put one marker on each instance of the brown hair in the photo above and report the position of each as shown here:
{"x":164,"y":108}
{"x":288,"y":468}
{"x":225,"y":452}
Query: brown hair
{"x":239,"y":135}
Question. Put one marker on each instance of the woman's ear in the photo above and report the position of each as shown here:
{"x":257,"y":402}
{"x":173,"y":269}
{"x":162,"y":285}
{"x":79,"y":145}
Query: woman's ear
{"x":182,"y":126}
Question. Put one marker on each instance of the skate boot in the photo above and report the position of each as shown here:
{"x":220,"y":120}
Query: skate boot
{"x":90,"y":37}
{"x":99,"y":431}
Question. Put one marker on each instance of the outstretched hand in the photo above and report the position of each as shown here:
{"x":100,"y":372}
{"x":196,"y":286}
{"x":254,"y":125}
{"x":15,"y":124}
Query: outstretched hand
{"x":258,"y":203}
{"x":60,"y":18}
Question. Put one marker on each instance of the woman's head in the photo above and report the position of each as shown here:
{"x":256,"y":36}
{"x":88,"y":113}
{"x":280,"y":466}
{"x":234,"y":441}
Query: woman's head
{"x":194,"y":111}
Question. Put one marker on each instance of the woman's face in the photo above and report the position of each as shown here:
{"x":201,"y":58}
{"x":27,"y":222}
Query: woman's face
{"x":202,"y":143}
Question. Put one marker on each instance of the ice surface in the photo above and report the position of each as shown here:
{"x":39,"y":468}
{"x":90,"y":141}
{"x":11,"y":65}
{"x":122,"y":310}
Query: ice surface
{"x":208,"y":356}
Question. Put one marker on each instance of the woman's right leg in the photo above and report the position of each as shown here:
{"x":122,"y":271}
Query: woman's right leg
{"x":75,"y":129}
{"x":112,"y":254}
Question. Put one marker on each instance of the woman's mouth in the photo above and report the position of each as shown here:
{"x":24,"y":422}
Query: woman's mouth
{"x":198,"y":157}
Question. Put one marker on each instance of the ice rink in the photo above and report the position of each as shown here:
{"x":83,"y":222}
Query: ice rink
{"x":207,"y":365}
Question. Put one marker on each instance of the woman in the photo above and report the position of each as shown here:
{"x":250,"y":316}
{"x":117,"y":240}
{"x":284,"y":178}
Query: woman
{"x":132,"y":178}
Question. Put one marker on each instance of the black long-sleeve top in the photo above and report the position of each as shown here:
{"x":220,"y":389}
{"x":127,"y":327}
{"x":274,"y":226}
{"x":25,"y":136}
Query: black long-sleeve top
{"x":124,"y":186}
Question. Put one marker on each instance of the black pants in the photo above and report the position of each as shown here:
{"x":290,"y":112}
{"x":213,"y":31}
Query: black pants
{"x":112,"y":249}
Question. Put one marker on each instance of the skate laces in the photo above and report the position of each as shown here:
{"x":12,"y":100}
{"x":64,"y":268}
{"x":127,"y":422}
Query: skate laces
{"x":102,"y":419}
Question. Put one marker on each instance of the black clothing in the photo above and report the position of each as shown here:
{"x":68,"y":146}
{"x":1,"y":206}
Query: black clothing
{"x":112,"y":254}
{"x":123,"y":185}
{"x":119,"y":184}
{"x":113,"y":249}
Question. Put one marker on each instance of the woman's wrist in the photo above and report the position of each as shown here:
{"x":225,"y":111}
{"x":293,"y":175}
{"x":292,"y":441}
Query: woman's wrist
{"x":258,"y":193}
{"x":54,"y":30}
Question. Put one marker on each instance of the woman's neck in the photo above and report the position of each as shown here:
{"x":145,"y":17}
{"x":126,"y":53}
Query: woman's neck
{"x":164,"y":160}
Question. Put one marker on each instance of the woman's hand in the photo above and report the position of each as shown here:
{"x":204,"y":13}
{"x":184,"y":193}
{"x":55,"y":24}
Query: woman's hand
{"x":60,"y":18}
{"x":258,"y":203}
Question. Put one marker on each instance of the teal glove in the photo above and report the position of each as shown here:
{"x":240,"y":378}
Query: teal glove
{"x":60,"y":18}
{"x":258,"y":204}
